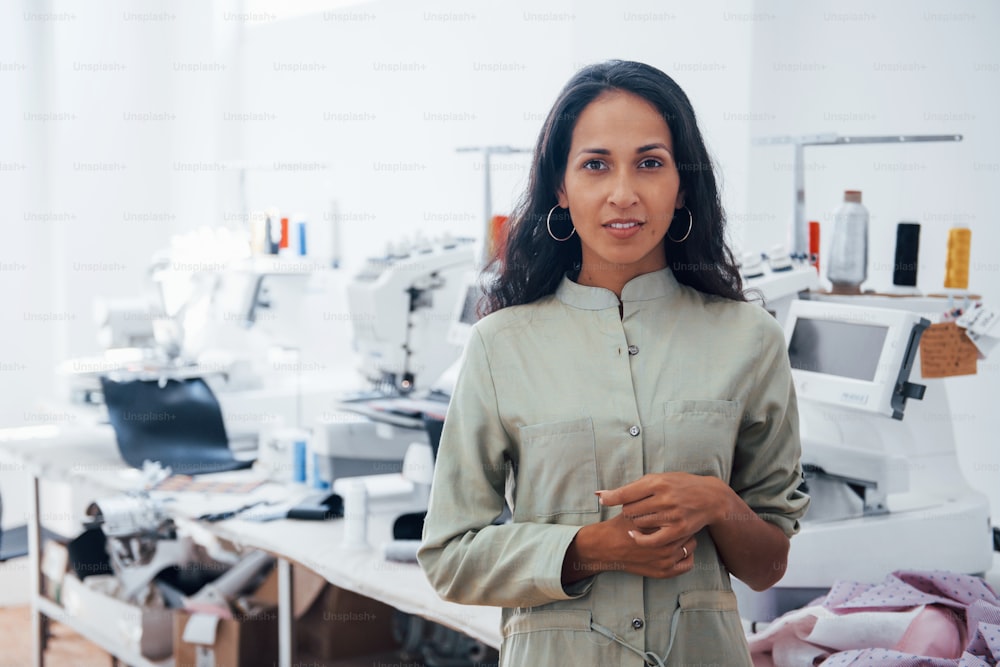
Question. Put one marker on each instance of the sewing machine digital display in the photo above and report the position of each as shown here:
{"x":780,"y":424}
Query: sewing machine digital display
{"x":853,"y":356}
{"x":466,"y":310}
{"x":469,"y":306}
{"x":836,"y":348}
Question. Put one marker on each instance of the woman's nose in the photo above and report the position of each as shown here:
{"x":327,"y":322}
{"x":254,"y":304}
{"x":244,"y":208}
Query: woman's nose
{"x":622,"y":191}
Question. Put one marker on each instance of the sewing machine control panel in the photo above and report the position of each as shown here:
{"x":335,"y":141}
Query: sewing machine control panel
{"x":853,"y":356}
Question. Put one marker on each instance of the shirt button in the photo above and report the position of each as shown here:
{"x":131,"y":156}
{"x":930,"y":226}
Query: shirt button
{"x":634,"y":431}
{"x":633,"y":350}
{"x":637,"y":623}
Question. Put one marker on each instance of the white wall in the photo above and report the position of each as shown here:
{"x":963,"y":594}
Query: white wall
{"x":26,"y":284}
{"x":385,"y":93}
{"x":102,"y":122}
{"x":107,"y":124}
{"x":893,"y":67}
{"x":24,"y":351}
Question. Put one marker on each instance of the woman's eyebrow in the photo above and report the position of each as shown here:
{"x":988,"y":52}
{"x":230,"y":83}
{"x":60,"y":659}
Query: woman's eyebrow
{"x":649,"y":147}
{"x":641,"y":149}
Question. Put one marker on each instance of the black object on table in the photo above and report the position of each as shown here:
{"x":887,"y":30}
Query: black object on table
{"x":175,"y":422}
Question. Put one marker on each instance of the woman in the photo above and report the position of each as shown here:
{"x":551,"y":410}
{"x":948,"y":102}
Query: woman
{"x":634,"y":412}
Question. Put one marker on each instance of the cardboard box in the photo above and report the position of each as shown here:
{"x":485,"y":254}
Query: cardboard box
{"x":329,"y":623}
{"x":206,"y":640}
{"x":343,"y":624}
{"x":306,"y":587}
{"x":146,"y":630}
{"x":202,"y":640}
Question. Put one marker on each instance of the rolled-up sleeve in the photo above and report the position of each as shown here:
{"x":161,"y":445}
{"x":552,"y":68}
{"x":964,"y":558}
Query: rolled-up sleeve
{"x":465,"y":557}
{"x":767,"y":469}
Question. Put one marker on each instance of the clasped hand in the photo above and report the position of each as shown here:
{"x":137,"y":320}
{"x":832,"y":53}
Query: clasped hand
{"x":653,"y":536}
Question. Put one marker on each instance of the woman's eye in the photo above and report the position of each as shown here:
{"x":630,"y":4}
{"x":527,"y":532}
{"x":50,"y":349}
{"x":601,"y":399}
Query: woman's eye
{"x":650,"y":163}
{"x":593,"y":165}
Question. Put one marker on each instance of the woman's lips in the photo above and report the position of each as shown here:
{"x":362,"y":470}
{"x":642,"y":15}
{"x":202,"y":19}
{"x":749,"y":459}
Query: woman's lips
{"x":623,"y":229}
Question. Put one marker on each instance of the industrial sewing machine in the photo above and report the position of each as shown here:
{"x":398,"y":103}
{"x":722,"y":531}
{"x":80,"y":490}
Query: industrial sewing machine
{"x":776,"y":278}
{"x":238,"y":323}
{"x":406,"y":495}
{"x":402,"y":307}
{"x":879,"y":456}
{"x":209,"y":312}
{"x":403,"y":313}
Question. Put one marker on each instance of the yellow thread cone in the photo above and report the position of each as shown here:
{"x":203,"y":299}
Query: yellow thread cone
{"x":956,"y":270}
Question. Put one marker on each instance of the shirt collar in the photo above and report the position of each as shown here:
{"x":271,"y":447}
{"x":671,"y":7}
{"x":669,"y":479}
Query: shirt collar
{"x":648,"y":286}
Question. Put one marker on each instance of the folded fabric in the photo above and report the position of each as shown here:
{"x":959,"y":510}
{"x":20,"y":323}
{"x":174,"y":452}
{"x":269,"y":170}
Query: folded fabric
{"x":177,"y":423}
{"x":926,"y":619}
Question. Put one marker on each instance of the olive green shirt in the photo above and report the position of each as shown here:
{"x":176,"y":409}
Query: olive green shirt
{"x":561,"y":397}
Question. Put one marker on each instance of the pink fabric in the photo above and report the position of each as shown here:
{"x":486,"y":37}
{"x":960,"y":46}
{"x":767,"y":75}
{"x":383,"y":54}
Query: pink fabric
{"x":912,"y":619}
{"x":936,"y":632}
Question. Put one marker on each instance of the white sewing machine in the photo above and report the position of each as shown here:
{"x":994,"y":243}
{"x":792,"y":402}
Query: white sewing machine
{"x":402,"y":306}
{"x":241,"y":324}
{"x":403,"y":311}
{"x":777,"y":278}
{"x":880,"y":459}
{"x":245,"y":324}
{"x":409,"y":491}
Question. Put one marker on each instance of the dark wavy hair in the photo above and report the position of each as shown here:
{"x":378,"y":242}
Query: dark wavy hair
{"x":532,"y":263}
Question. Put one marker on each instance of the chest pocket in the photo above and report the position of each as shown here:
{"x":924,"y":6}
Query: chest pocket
{"x":557,"y":471}
{"x":700,"y":436}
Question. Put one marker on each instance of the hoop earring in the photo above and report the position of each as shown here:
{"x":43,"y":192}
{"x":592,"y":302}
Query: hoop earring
{"x":548,"y":226}
{"x":688,"y":233}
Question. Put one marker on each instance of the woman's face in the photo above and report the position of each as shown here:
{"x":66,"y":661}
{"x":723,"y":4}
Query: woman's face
{"x":621,"y":186}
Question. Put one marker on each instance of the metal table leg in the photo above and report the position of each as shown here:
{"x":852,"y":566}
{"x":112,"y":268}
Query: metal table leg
{"x":39,"y":623}
{"x":284,"y":613}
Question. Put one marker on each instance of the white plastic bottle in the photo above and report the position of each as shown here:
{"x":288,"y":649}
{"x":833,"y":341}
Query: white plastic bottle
{"x":356,"y":516}
{"x":848,"y":264}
